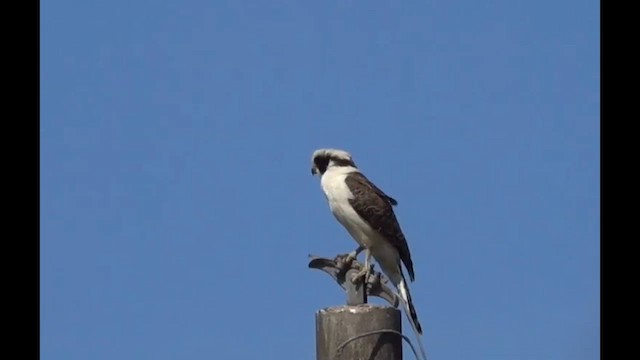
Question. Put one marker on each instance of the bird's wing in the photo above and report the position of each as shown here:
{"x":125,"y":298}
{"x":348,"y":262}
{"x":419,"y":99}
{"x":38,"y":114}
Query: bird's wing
{"x":376,"y":208}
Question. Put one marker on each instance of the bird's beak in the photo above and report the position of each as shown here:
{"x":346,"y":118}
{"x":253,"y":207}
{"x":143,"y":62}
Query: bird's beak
{"x":314,"y":170}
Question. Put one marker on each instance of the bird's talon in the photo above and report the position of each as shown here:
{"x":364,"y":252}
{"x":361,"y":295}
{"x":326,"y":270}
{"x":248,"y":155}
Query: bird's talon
{"x":375,"y":280}
{"x":351,"y":257}
{"x":364,"y":273}
{"x":357,"y":277}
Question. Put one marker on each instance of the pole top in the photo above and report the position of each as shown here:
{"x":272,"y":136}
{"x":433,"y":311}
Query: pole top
{"x":342,"y":271}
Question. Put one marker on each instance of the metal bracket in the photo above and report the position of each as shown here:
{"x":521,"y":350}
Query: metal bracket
{"x":342,"y":272}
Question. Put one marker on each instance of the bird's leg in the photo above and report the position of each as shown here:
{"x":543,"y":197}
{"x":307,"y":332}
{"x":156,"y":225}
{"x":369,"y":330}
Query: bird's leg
{"x":366,"y":270}
{"x":354,"y":254}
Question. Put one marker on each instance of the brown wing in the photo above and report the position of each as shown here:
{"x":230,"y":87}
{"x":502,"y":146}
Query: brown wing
{"x":376,"y":208}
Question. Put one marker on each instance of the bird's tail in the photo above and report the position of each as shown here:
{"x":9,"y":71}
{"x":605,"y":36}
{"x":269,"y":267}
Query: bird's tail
{"x":410,"y":311}
{"x":408,"y":304}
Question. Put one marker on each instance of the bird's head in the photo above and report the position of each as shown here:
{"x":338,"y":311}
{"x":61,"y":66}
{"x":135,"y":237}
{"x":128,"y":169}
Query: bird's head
{"x":324,"y":159}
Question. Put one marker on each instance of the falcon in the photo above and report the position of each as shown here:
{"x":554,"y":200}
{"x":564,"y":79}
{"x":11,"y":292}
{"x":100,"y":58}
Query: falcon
{"x":366,"y":212}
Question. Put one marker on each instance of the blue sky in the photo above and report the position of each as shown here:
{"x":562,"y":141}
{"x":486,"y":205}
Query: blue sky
{"x":178,"y":208}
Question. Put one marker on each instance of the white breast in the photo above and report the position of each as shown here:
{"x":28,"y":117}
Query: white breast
{"x":338,"y":195}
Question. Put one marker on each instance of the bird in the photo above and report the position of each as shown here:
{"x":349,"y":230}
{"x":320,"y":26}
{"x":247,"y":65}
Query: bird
{"x":366,"y":212}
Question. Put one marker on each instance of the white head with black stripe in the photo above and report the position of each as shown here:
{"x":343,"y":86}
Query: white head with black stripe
{"x":324,"y":159}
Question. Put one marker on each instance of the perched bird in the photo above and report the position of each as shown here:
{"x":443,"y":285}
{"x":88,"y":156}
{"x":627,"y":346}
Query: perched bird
{"x":367,"y":214}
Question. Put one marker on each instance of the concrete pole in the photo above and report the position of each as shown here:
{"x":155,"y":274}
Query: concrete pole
{"x":336,"y":326}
